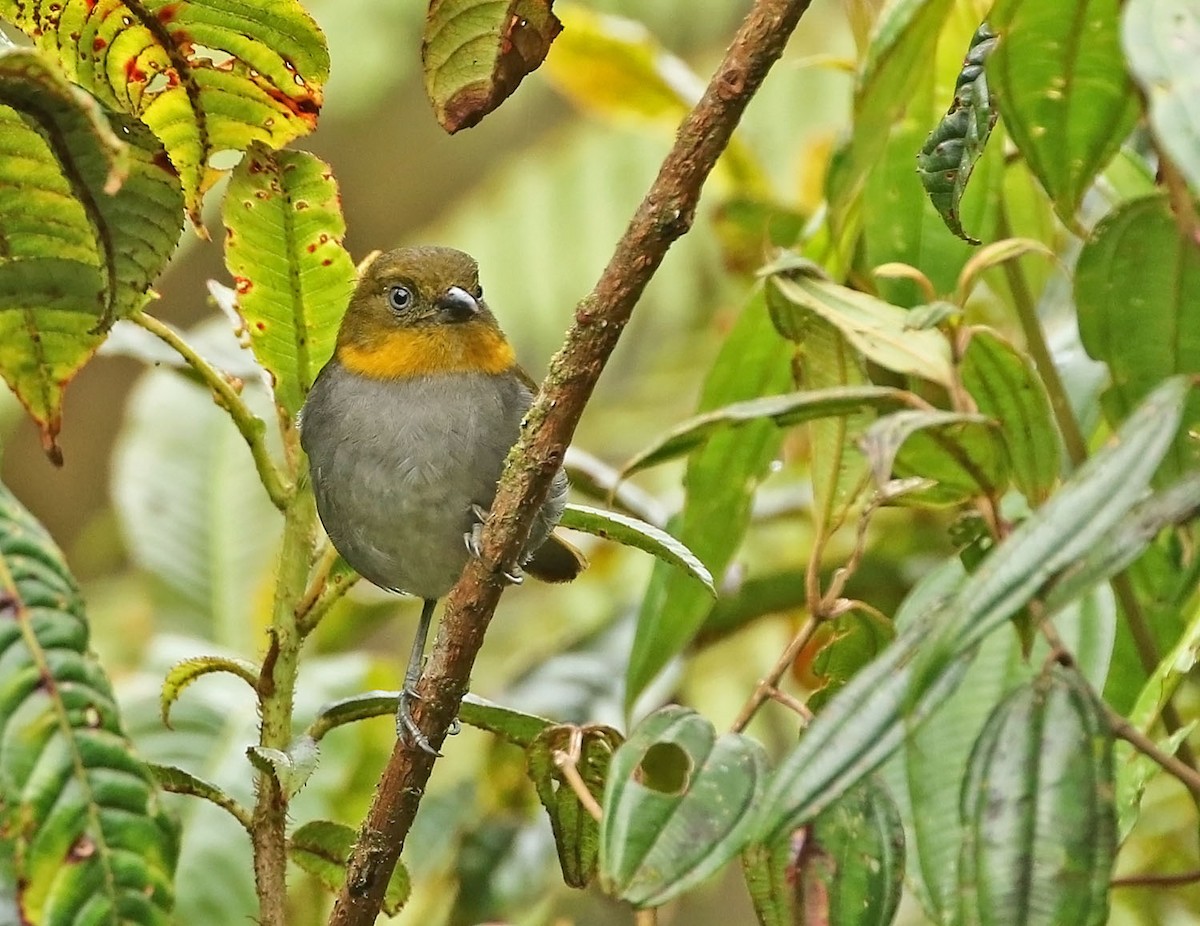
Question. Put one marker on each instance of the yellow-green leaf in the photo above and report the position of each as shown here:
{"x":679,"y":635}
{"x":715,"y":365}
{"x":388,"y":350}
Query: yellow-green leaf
{"x":476,"y":53}
{"x":205,"y":75}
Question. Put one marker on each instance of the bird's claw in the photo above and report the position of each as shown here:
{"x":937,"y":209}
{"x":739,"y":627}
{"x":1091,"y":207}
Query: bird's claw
{"x":406,"y":727}
{"x":474,"y":541}
{"x":455,"y":727}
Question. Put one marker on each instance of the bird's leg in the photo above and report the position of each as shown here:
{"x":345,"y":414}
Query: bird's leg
{"x":406,"y":727}
{"x":474,"y":541}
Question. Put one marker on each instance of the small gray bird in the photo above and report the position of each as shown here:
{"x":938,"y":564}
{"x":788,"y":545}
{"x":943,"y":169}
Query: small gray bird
{"x":406,"y":430}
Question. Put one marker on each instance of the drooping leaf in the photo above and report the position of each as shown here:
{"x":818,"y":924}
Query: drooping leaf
{"x":177,"y":781}
{"x":677,"y":806}
{"x":1161,"y":39}
{"x":874,"y":327}
{"x":1007,"y":389}
{"x":322,"y":848}
{"x":285,"y":205}
{"x":476,"y":53}
{"x":993,"y":255}
{"x":636,"y":533}
{"x":1063,"y":91}
{"x":720,"y":482}
{"x":206,"y":76}
{"x":89,"y":213}
{"x":865,"y":722}
{"x":576,"y":831}
{"x":184,"y":673}
{"x":1037,"y":806}
{"x":1137,"y":288}
{"x":949,"y":155}
{"x":81,"y":812}
{"x":962,"y":453}
{"x":782,"y":410}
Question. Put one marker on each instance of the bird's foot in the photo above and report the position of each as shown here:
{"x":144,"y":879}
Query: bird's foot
{"x":406,"y":727}
{"x":474,"y":541}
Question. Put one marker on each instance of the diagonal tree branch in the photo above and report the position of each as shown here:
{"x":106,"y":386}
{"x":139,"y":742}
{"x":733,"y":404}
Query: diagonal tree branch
{"x":663,"y":216}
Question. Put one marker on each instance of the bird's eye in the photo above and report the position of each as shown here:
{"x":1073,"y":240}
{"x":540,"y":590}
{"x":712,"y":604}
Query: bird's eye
{"x":400,"y":298}
{"x":478,"y":291}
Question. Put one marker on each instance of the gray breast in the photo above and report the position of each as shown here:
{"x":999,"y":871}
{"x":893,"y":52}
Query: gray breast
{"x":396,"y":467}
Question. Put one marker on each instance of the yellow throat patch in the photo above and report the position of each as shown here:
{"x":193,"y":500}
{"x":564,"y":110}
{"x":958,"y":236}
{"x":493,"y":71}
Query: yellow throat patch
{"x":469,"y":347}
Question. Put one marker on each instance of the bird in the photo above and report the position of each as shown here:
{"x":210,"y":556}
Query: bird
{"x":406,"y":430}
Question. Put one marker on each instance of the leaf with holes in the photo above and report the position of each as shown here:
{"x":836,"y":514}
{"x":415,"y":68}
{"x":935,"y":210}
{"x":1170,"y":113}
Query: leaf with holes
{"x":477,"y":52}
{"x":1063,"y":91}
{"x":286,"y":204}
{"x":576,"y":831}
{"x":89,"y":213}
{"x":677,"y":806}
{"x":91,"y":843}
{"x":948,"y":156}
{"x":205,"y":76}
{"x":322,"y":848}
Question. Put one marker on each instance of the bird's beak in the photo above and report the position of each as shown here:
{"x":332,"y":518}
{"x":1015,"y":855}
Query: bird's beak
{"x":457,"y":305}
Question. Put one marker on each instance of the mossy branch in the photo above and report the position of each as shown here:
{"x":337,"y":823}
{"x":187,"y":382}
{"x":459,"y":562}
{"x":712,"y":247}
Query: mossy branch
{"x":664,"y":215}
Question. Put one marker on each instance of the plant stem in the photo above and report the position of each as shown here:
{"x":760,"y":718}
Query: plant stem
{"x":769,"y":683}
{"x":276,"y":689}
{"x":664,"y":215}
{"x":252,"y":428}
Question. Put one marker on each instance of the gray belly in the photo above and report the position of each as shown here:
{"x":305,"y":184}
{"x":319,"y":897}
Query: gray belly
{"x":397,"y":466}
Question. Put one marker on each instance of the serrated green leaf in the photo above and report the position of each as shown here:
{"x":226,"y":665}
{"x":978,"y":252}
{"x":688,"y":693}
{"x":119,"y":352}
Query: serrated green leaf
{"x":322,"y":848}
{"x":176,"y":780}
{"x":1063,"y":91}
{"x":476,"y":53}
{"x":184,"y":673}
{"x":285,"y":205}
{"x":576,"y":831}
{"x":720,"y":482}
{"x":205,"y":76}
{"x":636,"y":533}
{"x":677,"y":806}
{"x":875,"y":328}
{"x":963,"y":453}
{"x":1007,"y":389}
{"x":1137,"y":288}
{"x":781,"y":410}
{"x":1037,"y":805}
{"x":80,"y":810}
{"x":1161,"y":39}
{"x":949,"y":155}
{"x":89,"y":214}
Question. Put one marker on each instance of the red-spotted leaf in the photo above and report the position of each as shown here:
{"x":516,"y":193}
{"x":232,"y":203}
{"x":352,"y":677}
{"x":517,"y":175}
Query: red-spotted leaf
{"x":476,"y":53}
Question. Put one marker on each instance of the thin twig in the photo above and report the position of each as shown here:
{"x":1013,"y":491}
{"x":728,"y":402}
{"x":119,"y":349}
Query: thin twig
{"x":663,"y":216}
{"x":648,"y":917}
{"x":767,"y":684}
{"x":1183,"y":877}
{"x":567,"y":762}
{"x":252,"y":428}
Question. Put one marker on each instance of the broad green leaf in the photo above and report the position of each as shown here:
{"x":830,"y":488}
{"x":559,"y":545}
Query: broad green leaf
{"x":90,"y":842}
{"x":852,"y":865}
{"x":89,"y":214}
{"x":614,"y":67}
{"x":632,"y":532}
{"x":184,"y":673}
{"x":949,"y":155}
{"x":190,"y":506}
{"x":720,"y":482}
{"x":206,"y":76}
{"x":283,"y":245}
{"x":782,"y":410}
{"x":1063,"y":91}
{"x":963,"y":453}
{"x":576,"y":831}
{"x":677,"y":806}
{"x":1137,"y":287}
{"x":1007,"y":389}
{"x":840,"y":648}
{"x":322,"y":848}
{"x":1037,"y":806}
{"x":476,"y":53}
{"x":874,"y":327}
{"x":868,"y":719}
{"x":1161,"y":39}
